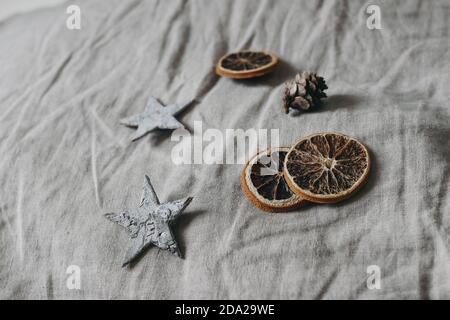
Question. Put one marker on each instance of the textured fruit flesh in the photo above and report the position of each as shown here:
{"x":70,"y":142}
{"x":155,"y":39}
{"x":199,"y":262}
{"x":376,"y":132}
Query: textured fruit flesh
{"x":267,"y":177}
{"x":327,"y":164}
{"x":243,"y":61}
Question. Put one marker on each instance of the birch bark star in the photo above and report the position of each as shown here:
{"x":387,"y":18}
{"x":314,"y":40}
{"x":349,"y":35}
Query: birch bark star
{"x":155,"y":116}
{"x":150,"y":223}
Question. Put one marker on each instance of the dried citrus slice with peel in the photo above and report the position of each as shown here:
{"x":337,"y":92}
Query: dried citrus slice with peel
{"x":326,"y":167}
{"x":264,"y":184}
{"x":246,"y":64}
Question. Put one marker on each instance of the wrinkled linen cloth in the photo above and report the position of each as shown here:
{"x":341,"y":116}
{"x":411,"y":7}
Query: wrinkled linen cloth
{"x":66,"y":160}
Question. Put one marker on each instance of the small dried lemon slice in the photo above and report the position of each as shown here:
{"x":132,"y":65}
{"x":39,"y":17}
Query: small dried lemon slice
{"x":264,"y":184}
{"x":246,"y":64}
{"x":326,"y":167}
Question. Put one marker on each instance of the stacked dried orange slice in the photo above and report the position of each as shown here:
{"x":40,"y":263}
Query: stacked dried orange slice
{"x":322,"y":168}
{"x":264,"y":183}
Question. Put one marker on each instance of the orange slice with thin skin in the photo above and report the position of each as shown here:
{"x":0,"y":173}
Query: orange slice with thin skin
{"x":246,"y":64}
{"x":326,"y":167}
{"x":264,"y":184}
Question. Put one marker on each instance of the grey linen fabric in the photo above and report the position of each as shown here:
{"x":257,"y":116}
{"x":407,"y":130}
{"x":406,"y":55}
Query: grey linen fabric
{"x":66,"y":160}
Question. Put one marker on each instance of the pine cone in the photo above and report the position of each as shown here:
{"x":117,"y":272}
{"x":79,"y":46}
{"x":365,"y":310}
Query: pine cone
{"x":304,"y":92}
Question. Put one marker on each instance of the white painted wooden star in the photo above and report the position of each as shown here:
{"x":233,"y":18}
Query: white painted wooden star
{"x":149,"y":223}
{"x":155,"y":116}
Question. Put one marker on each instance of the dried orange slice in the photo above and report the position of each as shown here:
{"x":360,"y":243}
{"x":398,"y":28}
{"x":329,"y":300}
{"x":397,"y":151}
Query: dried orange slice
{"x":326,"y":167}
{"x":246,"y":64}
{"x":263,"y":182}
